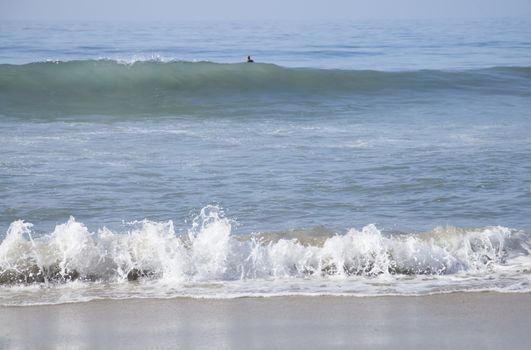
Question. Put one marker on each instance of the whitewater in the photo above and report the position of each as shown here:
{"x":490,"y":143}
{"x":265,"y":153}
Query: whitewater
{"x":150,"y":260}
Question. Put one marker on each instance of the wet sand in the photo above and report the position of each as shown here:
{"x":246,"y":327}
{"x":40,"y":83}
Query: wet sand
{"x":451,"y":321}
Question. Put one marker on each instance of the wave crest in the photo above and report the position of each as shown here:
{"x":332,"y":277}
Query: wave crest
{"x":158,"y":87}
{"x":209,"y":253}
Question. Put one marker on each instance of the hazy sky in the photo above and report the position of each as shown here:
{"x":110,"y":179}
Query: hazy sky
{"x":252,"y":9}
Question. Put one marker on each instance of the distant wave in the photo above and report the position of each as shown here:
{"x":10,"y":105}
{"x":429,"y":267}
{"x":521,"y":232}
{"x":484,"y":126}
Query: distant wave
{"x":156,"y":87}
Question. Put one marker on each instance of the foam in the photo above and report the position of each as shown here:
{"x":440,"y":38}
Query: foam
{"x":208,"y":261}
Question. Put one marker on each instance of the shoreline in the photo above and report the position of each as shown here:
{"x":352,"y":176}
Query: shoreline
{"x":484,"y":320}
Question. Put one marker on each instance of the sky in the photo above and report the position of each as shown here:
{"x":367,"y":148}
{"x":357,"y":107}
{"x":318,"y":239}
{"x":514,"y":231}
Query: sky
{"x":258,"y":10}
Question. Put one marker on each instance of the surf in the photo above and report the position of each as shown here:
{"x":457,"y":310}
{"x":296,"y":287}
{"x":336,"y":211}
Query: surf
{"x":208,"y":251}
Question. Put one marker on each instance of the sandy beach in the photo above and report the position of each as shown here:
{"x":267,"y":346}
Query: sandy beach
{"x":450,"y":321}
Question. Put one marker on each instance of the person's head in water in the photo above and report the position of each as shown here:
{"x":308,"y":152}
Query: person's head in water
{"x":249,"y":59}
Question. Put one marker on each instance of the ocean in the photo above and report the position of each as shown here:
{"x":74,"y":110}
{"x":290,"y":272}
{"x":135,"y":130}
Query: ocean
{"x":358,"y":158}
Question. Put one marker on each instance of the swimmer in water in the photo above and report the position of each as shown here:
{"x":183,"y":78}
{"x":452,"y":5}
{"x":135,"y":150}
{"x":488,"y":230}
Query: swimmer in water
{"x":249,"y":59}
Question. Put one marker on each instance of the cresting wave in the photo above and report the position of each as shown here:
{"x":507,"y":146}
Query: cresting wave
{"x":155,"y":87}
{"x":209,"y":254}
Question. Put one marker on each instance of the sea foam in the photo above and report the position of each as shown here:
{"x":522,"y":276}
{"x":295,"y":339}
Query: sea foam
{"x":209,"y":253}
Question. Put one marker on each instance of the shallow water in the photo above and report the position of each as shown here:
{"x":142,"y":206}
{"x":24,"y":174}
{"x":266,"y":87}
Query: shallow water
{"x":409,"y":126}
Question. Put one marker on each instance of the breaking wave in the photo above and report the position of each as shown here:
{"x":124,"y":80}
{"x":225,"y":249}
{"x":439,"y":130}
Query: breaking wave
{"x":262,"y":264}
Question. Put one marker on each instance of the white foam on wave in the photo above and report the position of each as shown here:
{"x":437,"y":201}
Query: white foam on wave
{"x":208,"y":261}
{"x":140,"y":58}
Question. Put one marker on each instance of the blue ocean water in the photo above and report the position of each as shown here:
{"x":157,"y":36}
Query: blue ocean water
{"x":409,"y":139}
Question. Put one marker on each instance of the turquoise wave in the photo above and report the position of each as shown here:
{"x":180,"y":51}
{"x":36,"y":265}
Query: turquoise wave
{"x":111,"y":87}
